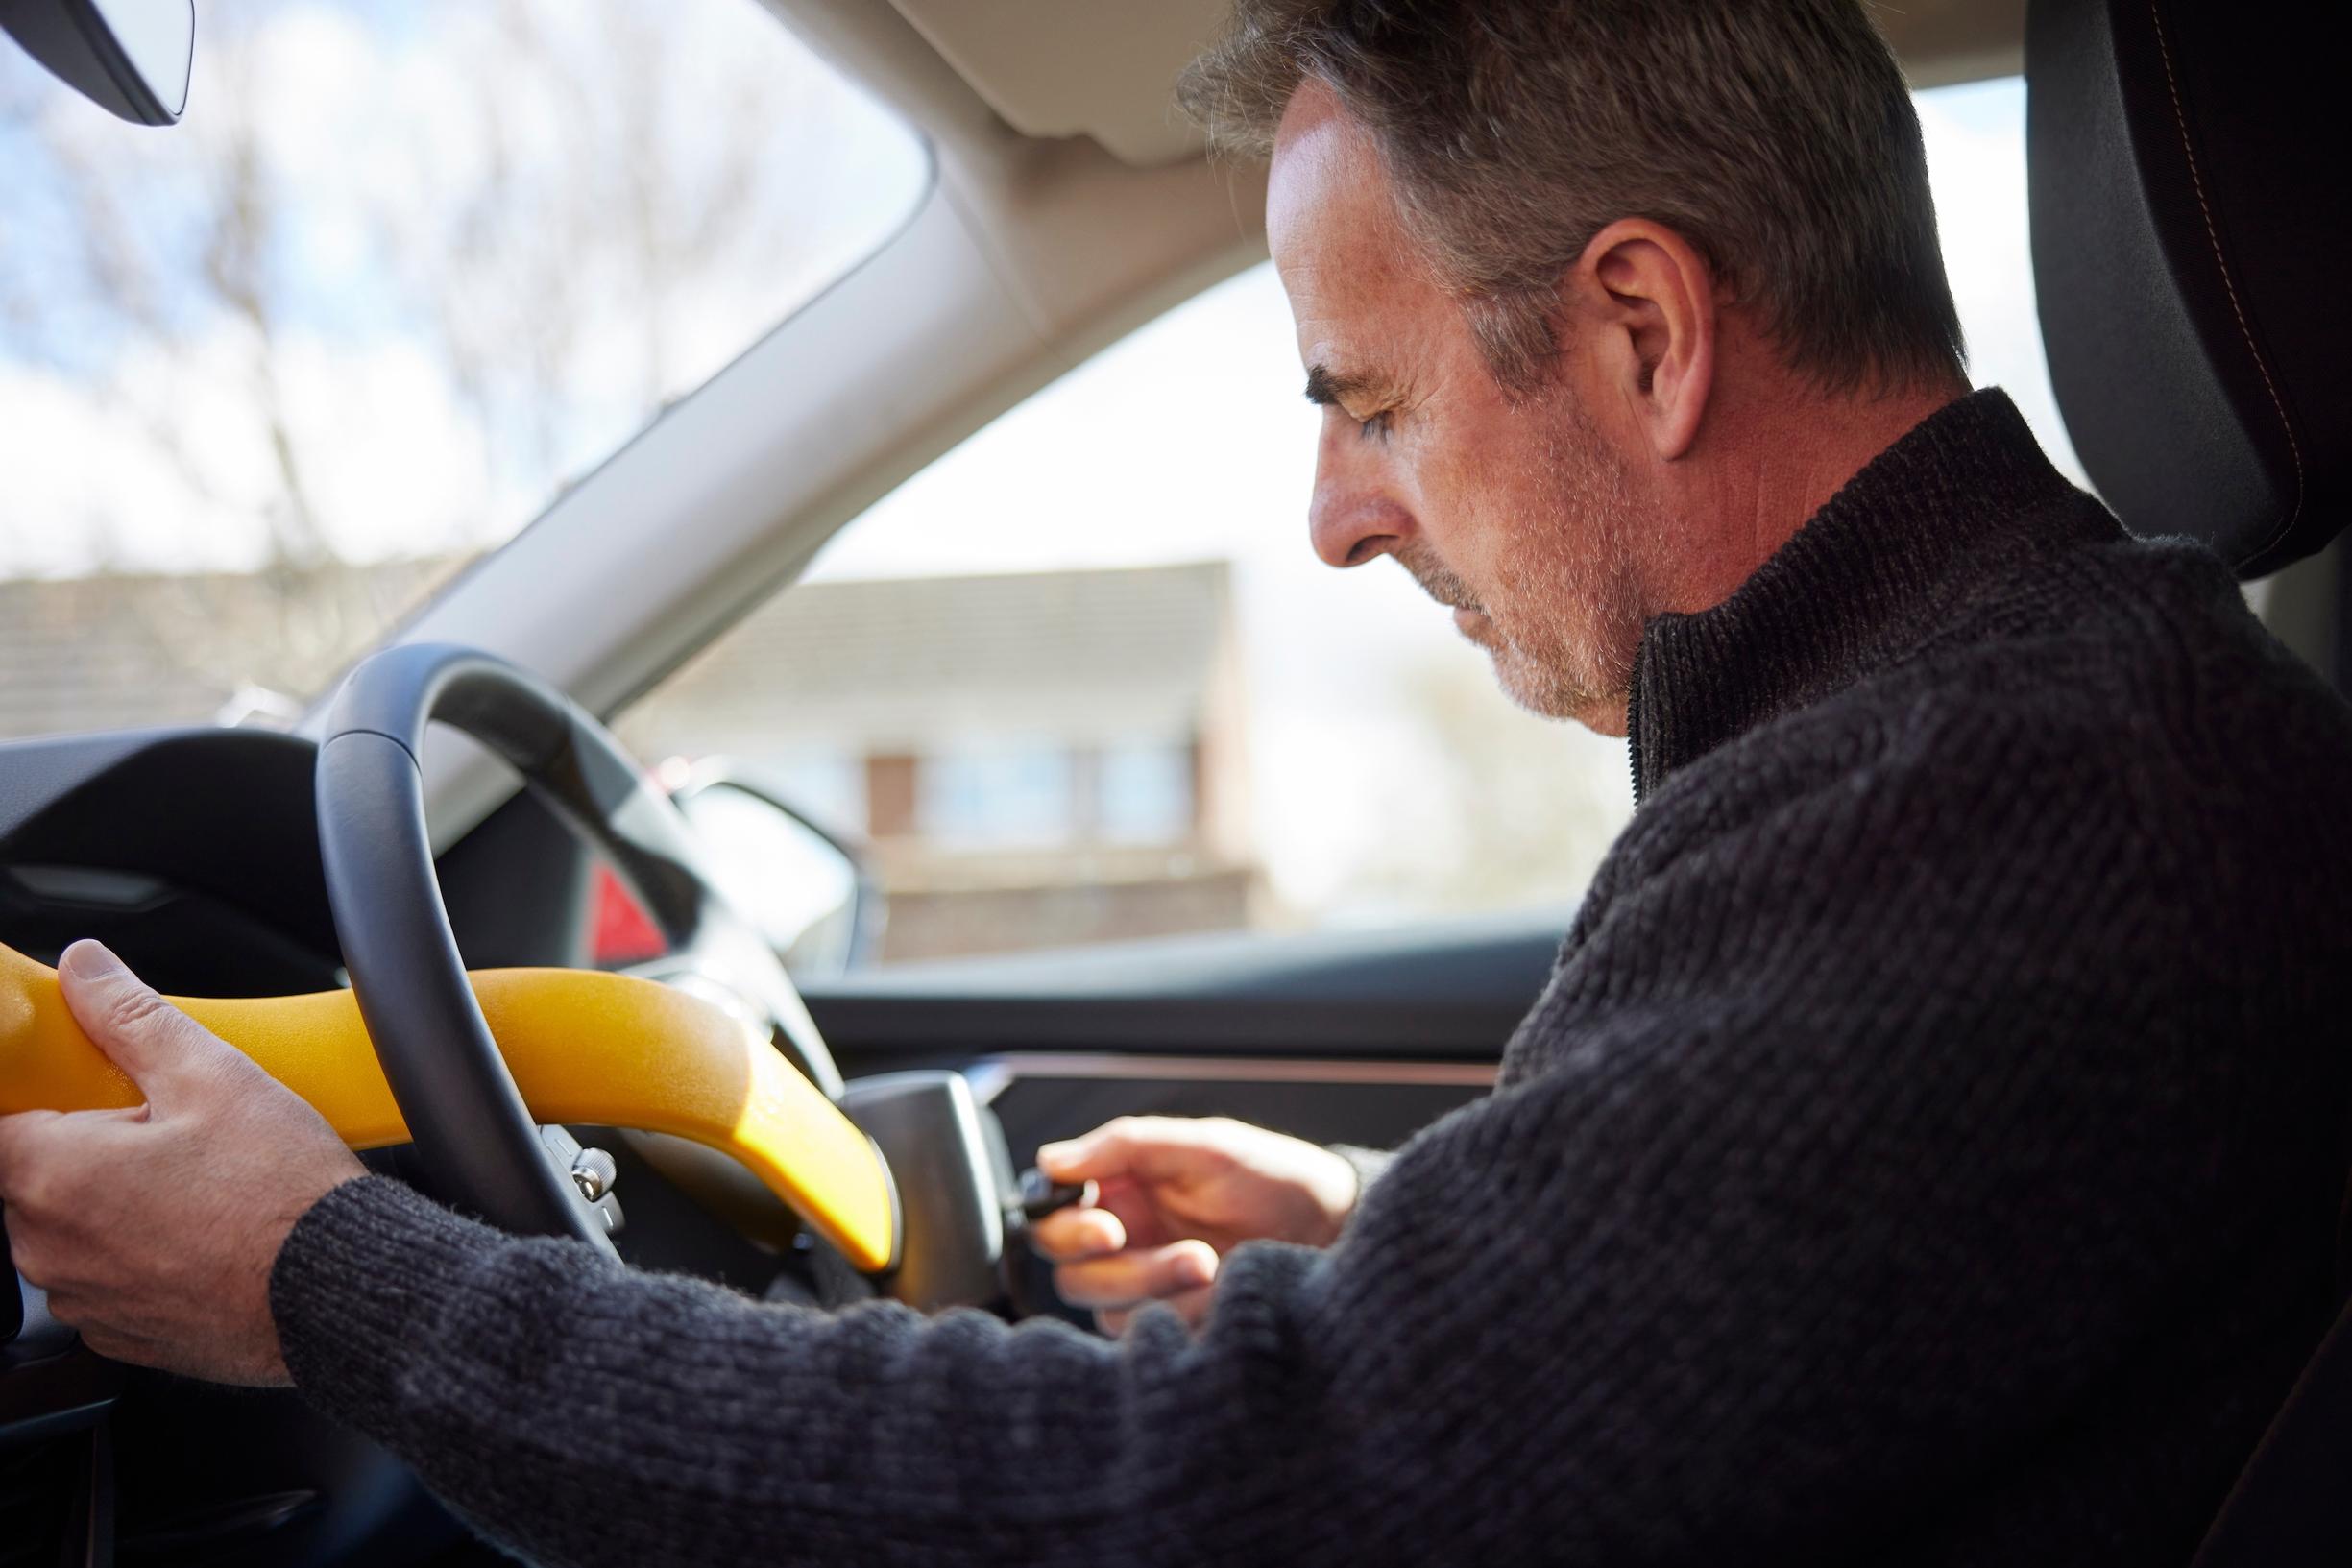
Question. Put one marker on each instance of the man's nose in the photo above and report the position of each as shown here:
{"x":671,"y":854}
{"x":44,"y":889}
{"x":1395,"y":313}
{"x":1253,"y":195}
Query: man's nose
{"x":1351,"y":520}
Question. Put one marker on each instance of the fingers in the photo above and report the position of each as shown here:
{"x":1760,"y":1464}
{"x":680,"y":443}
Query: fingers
{"x":115,"y":1341}
{"x":17,"y":1133}
{"x":1129,"y":1279}
{"x":1068,"y":1234}
{"x":22,"y":1136}
{"x":152,"y":1040}
{"x":114,"y":1344}
{"x":1112,"y":1149}
{"x":1145,"y":1147}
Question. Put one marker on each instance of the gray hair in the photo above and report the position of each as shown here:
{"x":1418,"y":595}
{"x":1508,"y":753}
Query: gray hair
{"x":1776,"y":137}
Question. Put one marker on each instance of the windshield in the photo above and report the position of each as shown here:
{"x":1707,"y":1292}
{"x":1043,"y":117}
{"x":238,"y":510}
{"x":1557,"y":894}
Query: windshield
{"x":407,"y":269}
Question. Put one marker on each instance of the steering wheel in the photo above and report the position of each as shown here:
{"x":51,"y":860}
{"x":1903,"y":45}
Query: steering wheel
{"x":477,"y":1139}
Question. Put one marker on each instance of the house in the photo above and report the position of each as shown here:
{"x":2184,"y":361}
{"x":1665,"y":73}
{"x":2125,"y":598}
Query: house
{"x":1036,"y":758}
{"x":128,"y":650}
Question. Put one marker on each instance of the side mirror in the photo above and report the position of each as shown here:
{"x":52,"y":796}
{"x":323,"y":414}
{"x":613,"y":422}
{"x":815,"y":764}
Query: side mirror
{"x":131,"y":56}
{"x":805,"y":889}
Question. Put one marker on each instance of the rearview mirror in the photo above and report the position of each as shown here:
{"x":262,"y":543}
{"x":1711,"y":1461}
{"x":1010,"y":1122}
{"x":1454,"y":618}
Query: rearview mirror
{"x":804,"y":889}
{"x":129,"y":55}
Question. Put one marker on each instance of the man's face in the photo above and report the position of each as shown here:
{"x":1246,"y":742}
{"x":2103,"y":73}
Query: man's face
{"x":1518,"y":514}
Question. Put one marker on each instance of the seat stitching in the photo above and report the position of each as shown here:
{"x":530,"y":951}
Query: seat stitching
{"x":2213,"y":237}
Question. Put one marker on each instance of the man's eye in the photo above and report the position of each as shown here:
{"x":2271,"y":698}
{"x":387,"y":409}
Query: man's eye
{"x":1375,"y":429}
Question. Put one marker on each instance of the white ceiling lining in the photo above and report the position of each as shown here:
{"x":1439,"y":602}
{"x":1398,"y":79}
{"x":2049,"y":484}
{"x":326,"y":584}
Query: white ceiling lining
{"x":1106,"y":68}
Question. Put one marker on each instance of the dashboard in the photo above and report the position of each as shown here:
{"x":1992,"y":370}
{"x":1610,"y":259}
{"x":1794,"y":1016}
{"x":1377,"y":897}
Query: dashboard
{"x":195,"y":854}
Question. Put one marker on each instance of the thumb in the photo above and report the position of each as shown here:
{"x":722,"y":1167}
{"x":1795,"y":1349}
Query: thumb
{"x":146,"y":1036}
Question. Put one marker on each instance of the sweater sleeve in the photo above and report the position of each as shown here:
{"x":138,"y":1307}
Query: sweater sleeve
{"x":1776,"y":1227}
{"x":1366,"y":1162}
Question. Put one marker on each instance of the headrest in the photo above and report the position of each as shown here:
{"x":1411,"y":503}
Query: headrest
{"x":2190,"y":241}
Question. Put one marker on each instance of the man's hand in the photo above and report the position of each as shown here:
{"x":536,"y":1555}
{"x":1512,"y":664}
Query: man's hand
{"x":154,"y":1229}
{"x":1176,"y":1195}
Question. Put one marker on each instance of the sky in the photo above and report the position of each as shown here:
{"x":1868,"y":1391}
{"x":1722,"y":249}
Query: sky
{"x":1189,"y":440}
{"x":380,"y":130}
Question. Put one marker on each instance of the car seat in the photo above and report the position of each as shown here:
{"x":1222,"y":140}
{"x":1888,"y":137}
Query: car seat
{"x":2191,"y":215}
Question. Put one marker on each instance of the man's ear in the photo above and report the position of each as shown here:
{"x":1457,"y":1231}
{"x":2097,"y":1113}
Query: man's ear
{"x":1652,"y":297}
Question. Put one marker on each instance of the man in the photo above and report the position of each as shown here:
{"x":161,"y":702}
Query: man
{"x":1928,"y":1148}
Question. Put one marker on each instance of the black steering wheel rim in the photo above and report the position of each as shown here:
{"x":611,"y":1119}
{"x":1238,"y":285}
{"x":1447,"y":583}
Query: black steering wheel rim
{"x":477,"y":1139}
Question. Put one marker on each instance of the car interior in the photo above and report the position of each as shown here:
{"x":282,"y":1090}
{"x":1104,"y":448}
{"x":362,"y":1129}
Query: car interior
{"x":873,"y":1123}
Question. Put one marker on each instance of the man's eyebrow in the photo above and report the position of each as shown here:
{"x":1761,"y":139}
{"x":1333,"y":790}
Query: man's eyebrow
{"x":1324,"y":386}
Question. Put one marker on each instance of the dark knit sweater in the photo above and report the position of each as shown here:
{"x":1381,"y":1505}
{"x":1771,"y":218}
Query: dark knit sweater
{"x":1927,"y":1150}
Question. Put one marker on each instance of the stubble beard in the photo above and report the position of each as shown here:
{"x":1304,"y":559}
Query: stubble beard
{"x":1564,"y":616}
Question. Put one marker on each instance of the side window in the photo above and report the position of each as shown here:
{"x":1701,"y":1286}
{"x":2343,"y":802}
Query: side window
{"x":1082,"y":680}
{"x":1976,"y":136}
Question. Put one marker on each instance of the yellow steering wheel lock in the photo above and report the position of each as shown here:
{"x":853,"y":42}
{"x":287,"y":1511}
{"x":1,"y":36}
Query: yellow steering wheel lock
{"x":582,"y":1046}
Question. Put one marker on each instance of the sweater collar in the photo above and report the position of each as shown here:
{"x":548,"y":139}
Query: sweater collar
{"x":1869,"y":576}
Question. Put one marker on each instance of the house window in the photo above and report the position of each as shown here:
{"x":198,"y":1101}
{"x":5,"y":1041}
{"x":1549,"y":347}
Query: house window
{"x":1144,"y":794}
{"x":1005,"y":797}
